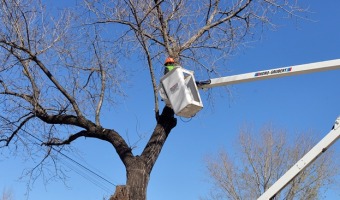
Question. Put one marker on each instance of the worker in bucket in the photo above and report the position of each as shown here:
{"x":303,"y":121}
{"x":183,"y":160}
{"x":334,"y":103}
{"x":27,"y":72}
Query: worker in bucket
{"x":169,"y":65}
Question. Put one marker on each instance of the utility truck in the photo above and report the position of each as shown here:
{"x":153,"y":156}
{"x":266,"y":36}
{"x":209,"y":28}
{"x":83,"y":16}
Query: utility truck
{"x":179,"y":90}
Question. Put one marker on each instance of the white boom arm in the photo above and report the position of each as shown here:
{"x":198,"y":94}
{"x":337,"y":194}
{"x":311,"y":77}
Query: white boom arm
{"x":273,"y":73}
{"x":179,"y":90}
{"x":306,"y":160}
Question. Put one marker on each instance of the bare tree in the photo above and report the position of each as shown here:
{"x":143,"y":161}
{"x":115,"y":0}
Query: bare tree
{"x":59,"y":70}
{"x":7,"y":194}
{"x":264,"y":157}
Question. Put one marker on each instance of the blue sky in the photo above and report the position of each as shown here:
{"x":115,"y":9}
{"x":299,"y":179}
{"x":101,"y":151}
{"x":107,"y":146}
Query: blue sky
{"x":297,"y":104}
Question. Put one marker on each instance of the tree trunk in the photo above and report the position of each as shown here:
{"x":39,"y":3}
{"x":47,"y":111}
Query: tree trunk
{"x":138,"y":168}
{"x":121,"y":193}
{"x":137,"y":179}
{"x":137,"y":182}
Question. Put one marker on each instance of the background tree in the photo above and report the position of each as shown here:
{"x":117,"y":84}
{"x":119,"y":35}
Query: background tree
{"x":60,"y":70}
{"x":264,"y":157}
{"x":7,"y":194}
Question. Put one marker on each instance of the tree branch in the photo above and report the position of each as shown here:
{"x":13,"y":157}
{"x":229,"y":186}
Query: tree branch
{"x":71,"y":138}
{"x":102,"y":88}
{"x":164,"y":29}
{"x":139,"y":33}
{"x":34,"y":58}
{"x":132,"y":26}
{"x":111,"y":136}
{"x":58,"y":85}
{"x":15,"y":132}
{"x":211,"y":25}
{"x":165,"y":124}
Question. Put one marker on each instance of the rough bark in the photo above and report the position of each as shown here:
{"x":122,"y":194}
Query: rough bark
{"x":137,"y":181}
{"x":121,"y":193}
{"x":138,"y":168}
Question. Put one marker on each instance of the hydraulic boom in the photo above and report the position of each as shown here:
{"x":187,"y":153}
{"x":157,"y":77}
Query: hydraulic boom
{"x":179,"y":90}
{"x":306,"y":160}
{"x":273,"y":73}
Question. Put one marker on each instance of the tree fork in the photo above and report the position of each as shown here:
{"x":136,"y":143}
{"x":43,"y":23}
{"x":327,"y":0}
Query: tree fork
{"x":138,"y":168}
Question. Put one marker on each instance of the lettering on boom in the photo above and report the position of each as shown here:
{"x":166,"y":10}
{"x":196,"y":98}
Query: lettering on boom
{"x":274,"y":71}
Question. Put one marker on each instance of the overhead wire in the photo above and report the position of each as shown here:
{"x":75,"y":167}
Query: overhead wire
{"x":101,"y":182}
{"x":86,"y":168}
{"x":98,"y":182}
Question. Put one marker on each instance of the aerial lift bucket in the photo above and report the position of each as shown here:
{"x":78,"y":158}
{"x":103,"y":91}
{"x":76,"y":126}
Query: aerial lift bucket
{"x":178,"y":89}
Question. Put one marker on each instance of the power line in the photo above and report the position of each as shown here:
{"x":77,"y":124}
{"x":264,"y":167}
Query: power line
{"x":98,"y":182}
{"x":84,"y":167}
{"x":79,"y":165}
